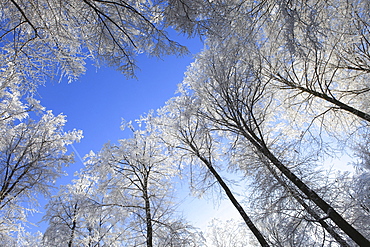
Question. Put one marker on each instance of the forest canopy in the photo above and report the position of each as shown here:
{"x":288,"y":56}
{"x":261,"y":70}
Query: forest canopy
{"x":279,"y":90}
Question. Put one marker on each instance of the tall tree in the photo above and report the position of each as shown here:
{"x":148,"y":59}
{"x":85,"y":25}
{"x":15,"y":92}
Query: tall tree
{"x":237,"y":99}
{"x":32,"y":155}
{"x":77,"y":216}
{"x":138,"y":178}
{"x":286,"y":69}
{"x":183,"y":130}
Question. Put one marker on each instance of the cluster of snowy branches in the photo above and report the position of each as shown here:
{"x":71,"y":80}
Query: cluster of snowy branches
{"x":48,"y":40}
{"x":33,"y":152}
{"x":280,"y":89}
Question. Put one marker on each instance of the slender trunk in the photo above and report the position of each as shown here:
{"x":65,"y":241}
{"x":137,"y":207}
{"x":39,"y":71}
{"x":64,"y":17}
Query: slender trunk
{"x":261,"y":239}
{"x":297,"y":197}
{"x":71,"y":237}
{"x":148,"y":218}
{"x":312,"y":195}
{"x":73,"y":227}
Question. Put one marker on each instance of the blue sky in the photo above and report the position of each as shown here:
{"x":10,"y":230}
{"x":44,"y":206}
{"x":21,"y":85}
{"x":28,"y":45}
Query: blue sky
{"x":97,"y":102}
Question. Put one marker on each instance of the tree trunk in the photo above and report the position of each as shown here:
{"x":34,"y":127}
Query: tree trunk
{"x":295,"y":195}
{"x":330,"y":211}
{"x":74,"y":225}
{"x":261,"y":239}
{"x":148,"y":217}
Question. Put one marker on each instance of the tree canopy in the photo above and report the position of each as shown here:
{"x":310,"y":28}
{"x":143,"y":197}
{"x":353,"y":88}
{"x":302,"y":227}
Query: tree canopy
{"x":280,"y":88}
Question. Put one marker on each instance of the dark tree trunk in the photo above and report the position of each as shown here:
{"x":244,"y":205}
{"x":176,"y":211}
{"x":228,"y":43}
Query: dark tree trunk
{"x":356,"y":236}
{"x":310,"y":211}
{"x":74,"y":225}
{"x":261,"y":239}
{"x":148,"y":218}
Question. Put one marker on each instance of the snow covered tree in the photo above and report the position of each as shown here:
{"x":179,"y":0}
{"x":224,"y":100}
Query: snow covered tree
{"x":33,"y":149}
{"x":44,"y":38}
{"x":77,"y":216}
{"x":234,"y":95}
{"x":32,"y":155}
{"x":229,"y":233}
{"x":193,"y":144}
{"x":290,"y":79}
{"x":137,"y":178}
{"x":22,"y":239}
